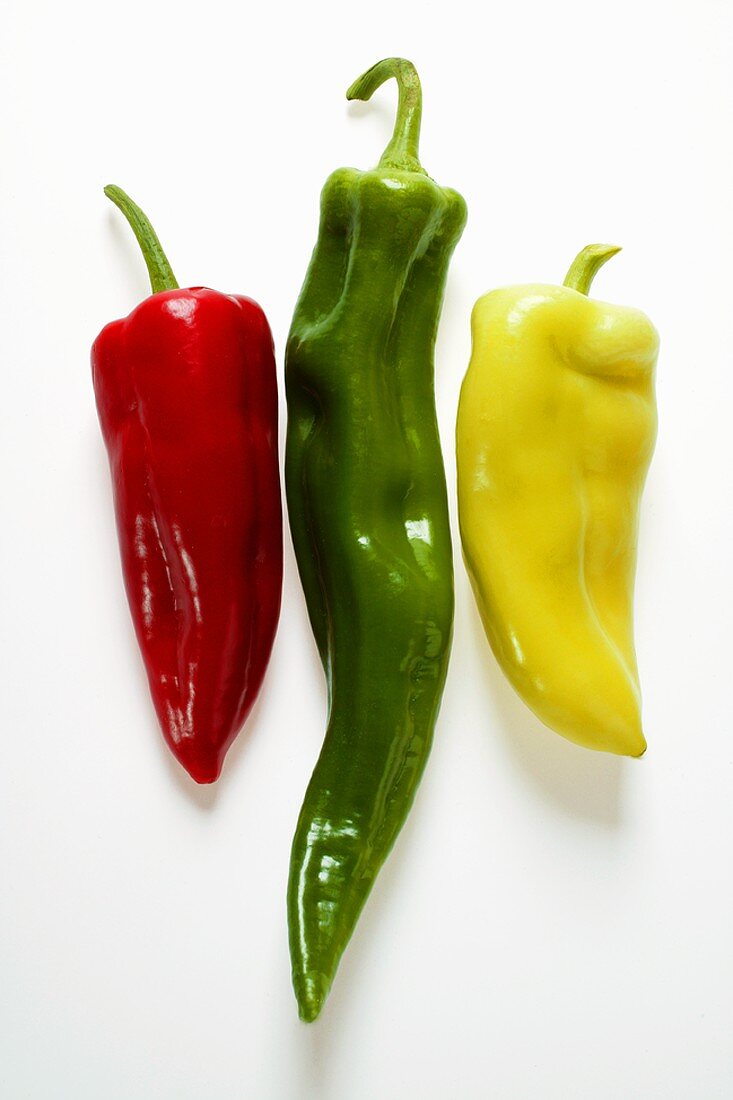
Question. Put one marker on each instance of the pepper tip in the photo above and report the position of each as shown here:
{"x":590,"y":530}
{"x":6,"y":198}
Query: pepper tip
{"x":203,"y":769}
{"x":311,"y":992}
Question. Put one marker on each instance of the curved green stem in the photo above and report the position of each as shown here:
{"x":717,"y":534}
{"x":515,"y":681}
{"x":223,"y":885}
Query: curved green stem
{"x":402,"y":151}
{"x":160,"y":271}
{"x":585,"y":265}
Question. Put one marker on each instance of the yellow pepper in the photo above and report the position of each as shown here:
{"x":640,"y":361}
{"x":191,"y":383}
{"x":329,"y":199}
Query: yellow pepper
{"x":556,"y":428}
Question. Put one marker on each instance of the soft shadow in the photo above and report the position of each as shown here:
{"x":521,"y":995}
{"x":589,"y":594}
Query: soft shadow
{"x":311,"y":1043}
{"x":298,"y":619}
{"x":375,"y":109}
{"x":584,"y":783}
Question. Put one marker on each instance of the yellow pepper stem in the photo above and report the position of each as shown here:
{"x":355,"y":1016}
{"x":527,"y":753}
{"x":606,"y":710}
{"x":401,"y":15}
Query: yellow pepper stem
{"x":586,"y":264}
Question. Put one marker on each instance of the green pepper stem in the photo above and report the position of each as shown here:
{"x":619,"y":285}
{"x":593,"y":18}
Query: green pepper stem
{"x":160,"y":271}
{"x":586,"y":264}
{"x":402,"y":151}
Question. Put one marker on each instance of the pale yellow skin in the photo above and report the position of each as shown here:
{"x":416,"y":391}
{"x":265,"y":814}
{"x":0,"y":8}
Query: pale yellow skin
{"x":556,"y":428}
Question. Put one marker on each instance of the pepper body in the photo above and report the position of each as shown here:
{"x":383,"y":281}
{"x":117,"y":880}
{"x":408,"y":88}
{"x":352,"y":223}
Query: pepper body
{"x":556,"y":428}
{"x":187,"y":401}
{"x":368,"y":514}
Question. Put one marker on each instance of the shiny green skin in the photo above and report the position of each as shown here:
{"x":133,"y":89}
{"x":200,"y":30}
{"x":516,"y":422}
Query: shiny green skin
{"x":369,"y":520}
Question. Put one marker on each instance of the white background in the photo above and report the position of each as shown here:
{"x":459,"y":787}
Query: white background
{"x":552,"y":924}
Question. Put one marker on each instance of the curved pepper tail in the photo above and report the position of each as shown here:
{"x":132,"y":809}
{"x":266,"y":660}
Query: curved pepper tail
{"x":327,"y":889}
{"x":160,"y":271}
{"x":402,"y":151}
{"x":587,"y":264}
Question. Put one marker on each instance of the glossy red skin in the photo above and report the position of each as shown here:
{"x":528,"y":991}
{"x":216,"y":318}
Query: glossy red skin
{"x":187,"y":400}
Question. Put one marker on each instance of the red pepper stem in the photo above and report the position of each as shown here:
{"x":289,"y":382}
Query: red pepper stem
{"x":586,"y":264}
{"x":160,"y":271}
{"x":402,"y":151}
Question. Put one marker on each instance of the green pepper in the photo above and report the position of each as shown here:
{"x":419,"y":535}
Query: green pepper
{"x":369,"y":519}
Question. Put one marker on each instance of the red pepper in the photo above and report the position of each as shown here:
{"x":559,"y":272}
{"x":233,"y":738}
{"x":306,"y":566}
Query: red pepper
{"x":187,"y":400}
